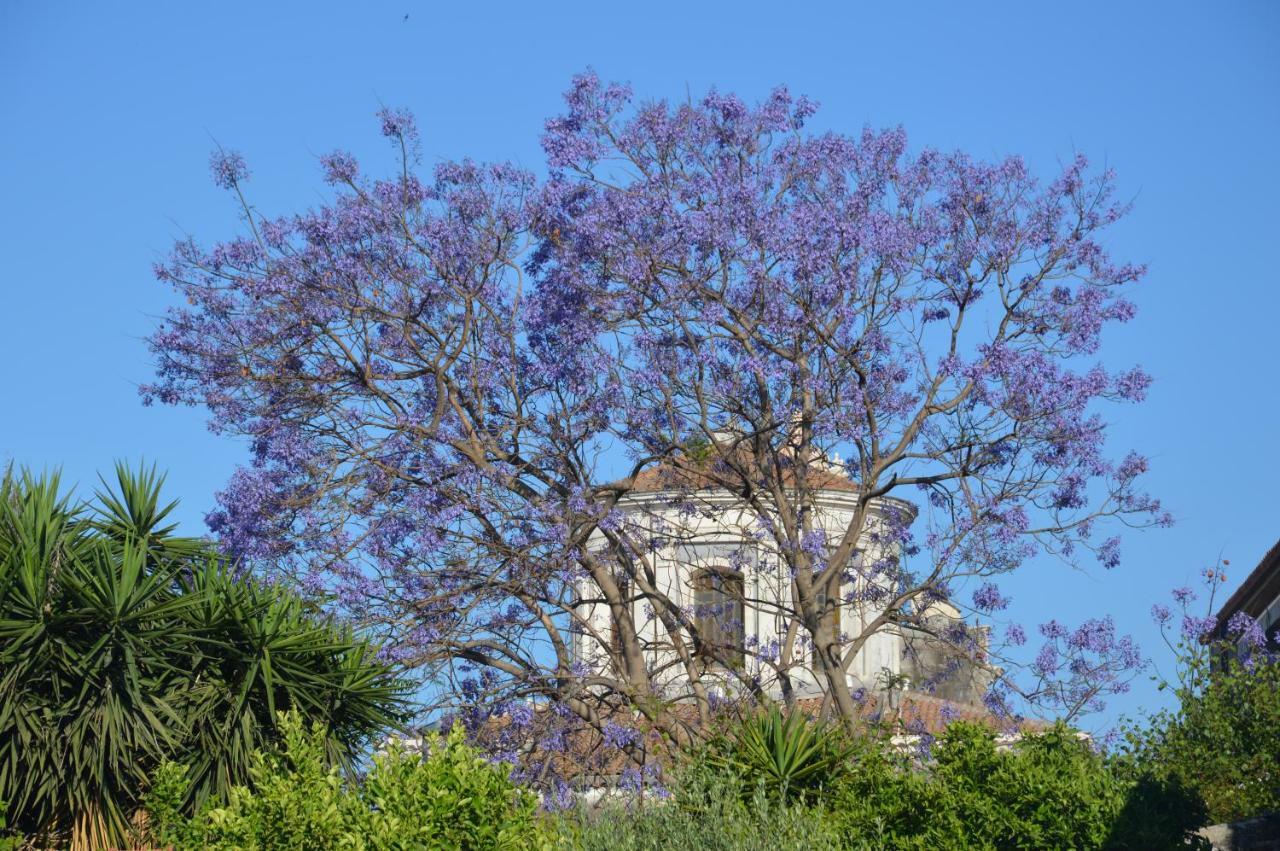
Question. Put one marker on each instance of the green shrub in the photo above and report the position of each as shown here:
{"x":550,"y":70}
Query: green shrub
{"x":123,"y":645}
{"x":706,"y":811}
{"x":1051,"y":790}
{"x":883,"y":799}
{"x":1046,"y":791}
{"x":8,"y":842}
{"x":1222,"y":743}
{"x":451,"y":799}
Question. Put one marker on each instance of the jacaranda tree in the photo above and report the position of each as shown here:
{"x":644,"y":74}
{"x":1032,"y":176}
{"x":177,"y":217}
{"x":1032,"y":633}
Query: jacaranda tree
{"x":450,"y":381}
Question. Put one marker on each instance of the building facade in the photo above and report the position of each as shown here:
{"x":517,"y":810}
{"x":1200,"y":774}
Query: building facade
{"x":713,"y":562}
{"x":1259,"y":598}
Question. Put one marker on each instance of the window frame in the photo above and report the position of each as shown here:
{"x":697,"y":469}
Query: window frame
{"x":720,"y":640}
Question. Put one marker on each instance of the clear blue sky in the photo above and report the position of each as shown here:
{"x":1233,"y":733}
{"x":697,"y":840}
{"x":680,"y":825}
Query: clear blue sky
{"x":108,"y":113}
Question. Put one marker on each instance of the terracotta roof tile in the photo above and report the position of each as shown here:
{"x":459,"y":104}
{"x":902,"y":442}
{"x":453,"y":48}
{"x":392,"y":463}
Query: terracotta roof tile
{"x":669,"y":476}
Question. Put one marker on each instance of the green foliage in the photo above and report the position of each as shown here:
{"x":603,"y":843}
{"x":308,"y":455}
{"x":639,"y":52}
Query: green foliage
{"x":1049,"y":791}
{"x":698,"y":449}
{"x":707,"y":812}
{"x":123,"y":645}
{"x":452,"y":799}
{"x":883,"y":798}
{"x":1223,"y":741}
{"x":1046,"y":791}
{"x":8,"y":842}
{"x":262,"y":650}
{"x":792,"y":757}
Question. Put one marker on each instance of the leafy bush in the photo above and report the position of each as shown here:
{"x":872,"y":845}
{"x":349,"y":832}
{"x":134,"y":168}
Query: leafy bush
{"x":1220,"y":747}
{"x":1050,"y":790}
{"x":1046,"y":791}
{"x":706,"y":811}
{"x":8,"y":842}
{"x":451,"y":799}
{"x":123,"y":645}
{"x":1222,"y":742}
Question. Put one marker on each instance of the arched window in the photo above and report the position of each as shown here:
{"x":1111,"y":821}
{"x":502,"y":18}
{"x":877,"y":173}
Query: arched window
{"x":718,"y":615}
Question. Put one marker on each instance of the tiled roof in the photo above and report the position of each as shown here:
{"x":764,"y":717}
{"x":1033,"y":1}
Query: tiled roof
{"x":1259,"y":587}
{"x":671,"y":476}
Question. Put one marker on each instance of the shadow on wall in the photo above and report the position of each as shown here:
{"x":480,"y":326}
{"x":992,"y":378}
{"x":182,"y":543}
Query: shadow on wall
{"x":1155,"y":814}
{"x":1255,"y":834}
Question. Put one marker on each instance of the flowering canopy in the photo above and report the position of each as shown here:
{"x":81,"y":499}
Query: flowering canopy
{"x":450,"y":382}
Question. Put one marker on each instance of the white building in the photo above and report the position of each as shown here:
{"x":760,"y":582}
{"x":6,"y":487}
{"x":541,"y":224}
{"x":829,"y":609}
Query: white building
{"x":713,"y":559}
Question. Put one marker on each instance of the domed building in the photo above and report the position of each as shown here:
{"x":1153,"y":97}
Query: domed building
{"x":711,"y":555}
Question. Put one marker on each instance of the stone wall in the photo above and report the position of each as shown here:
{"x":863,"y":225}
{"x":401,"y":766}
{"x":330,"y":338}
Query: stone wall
{"x":1256,"y":834}
{"x":938,"y":666}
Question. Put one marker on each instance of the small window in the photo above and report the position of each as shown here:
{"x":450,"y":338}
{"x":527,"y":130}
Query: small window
{"x":1271,"y":616}
{"x":718,"y":615}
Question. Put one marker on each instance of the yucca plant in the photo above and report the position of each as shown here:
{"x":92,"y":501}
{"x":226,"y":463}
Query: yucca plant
{"x":261,"y":652}
{"x":791,"y":756}
{"x":123,"y":645}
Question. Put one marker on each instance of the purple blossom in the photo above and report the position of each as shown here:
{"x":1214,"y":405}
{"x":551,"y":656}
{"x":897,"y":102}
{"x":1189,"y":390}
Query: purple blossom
{"x":555,"y":741}
{"x":1047,"y":662}
{"x":1197,"y":628}
{"x":521,"y":714}
{"x":1096,"y":635}
{"x":989,"y":599}
{"x":1053,"y":629}
{"x":1132,"y":385}
{"x":1077,"y":668}
{"x":398,"y":124}
{"x":617,"y":736}
{"x":1131,"y":467}
{"x":559,"y":797}
{"x":1246,"y":630}
{"x":339,"y":167}
{"x":228,"y":168}
{"x":815,"y":544}
{"x":996,"y":700}
{"x":1109,"y":553}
